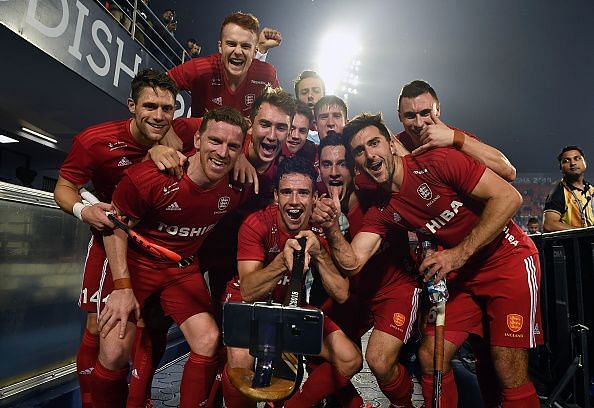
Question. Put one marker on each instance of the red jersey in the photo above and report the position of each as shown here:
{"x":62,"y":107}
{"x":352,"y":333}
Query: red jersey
{"x":384,"y":268}
{"x":434,"y":199}
{"x":262,"y":239}
{"x":176,"y":214}
{"x":102,"y":152}
{"x":205,"y":78}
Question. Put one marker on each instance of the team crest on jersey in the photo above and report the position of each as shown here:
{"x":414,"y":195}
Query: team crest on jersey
{"x":399,"y":319}
{"x":397,"y":217}
{"x":249,"y":99}
{"x":515,"y":322}
{"x":223,"y":203}
{"x":425,"y":192}
{"x":218,"y":100}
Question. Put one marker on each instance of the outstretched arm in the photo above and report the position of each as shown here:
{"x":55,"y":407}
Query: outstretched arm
{"x":349,"y":258}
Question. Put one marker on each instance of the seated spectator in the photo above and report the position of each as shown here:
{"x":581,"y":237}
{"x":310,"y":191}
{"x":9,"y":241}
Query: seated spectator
{"x":122,"y":12}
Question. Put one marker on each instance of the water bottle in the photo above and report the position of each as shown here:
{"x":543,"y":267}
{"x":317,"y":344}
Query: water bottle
{"x":438,"y":292}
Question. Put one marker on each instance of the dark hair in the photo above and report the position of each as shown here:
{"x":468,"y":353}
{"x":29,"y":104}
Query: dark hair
{"x":308,"y":74}
{"x":330,"y":100}
{"x":246,"y":21}
{"x":568,"y":148}
{"x":298,"y":165}
{"x":228,"y":115}
{"x":414,"y":89}
{"x":337,"y":139}
{"x":193,"y":40}
{"x":154,"y":79}
{"x":362,"y":121}
{"x":532,"y":220}
{"x":276,"y":97}
{"x":304,"y":110}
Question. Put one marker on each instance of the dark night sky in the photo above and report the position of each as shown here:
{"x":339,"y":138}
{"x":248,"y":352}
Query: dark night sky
{"x":519,"y":74}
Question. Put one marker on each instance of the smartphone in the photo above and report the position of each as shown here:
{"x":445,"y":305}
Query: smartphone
{"x":265,"y":325}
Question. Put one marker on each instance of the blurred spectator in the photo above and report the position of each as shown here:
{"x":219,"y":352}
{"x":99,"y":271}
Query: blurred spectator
{"x":169,"y":21}
{"x":193,"y":48}
{"x":570,"y":204}
{"x":532,"y":226}
{"x":122,"y":12}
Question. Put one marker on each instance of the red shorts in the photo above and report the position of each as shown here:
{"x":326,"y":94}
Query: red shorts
{"x":233,"y":294}
{"x":96,"y":281}
{"x":501,"y":299}
{"x":393,"y":310}
{"x":183,"y":292}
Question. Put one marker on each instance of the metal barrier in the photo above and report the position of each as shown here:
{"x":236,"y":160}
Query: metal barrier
{"x":146,"y":28}
{"x":567,"y":306}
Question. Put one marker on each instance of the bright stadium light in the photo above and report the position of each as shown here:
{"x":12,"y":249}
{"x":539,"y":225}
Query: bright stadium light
{"x":338,"y":62}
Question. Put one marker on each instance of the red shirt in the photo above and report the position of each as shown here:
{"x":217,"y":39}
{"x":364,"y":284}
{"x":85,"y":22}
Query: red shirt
{"x":102,"y":152}
{"x":175,"y":214}
{"x":434,"y":199}
{"x":392,"y":259}
{"x":262,"y":239}
{"x":205,"y":78}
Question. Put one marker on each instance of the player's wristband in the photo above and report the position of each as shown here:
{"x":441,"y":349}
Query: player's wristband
{"x":459,"y":139}
{"x":77,"y":209}
{"x":122,"y":283}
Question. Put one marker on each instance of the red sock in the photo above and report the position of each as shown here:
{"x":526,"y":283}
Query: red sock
{"x":142,"y":368}
{"x":234,"y":398}
{"x":348,"y":397}
{"x":324,"y":380}
{"x":86,"y":357}
{"x":523,"y":396}
{"x":399,"y":391}
{"x":109,"y":387}
{"x":449,"y":392}
{"x":197,"y":379}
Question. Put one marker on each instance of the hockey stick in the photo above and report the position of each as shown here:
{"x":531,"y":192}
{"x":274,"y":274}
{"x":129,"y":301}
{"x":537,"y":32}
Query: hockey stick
{"x":438,"y":353}
{"x":145,"y":244}
{"x":276,"y":378}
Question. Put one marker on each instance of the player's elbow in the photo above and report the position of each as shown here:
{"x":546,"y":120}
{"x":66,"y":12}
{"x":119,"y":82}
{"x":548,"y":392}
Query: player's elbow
{"x":509,"y":173}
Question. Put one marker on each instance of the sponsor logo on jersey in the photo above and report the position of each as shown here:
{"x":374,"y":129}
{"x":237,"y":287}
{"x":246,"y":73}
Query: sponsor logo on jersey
{"x":509,"y":237}
{"x":536,"y":329}
{"x":218,"y":100}
{"x":249,"y":99}
{"x":420,"y":171}
{"x":425,"y":192}
{"x":399,"y":319}
{"x":173,"y":207}
{"x":135,"y":374}
{"x":515,"y":322}
{"x":261,"y":83}
{"x":397,"y":217}
{"x":124,"y":162}
{"x":216,"y":81}
{"x":170,"y":189}
{"x":443,"y":218}
{"x":86,"y":371}
{"x":116,"y":145}
{"x":223,"y":203}
{"x":182,"y":231}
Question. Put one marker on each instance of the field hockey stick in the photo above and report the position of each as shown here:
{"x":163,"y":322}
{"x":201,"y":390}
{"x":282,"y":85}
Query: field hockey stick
{"x":145,"y":244}
{"x":438,"y":353}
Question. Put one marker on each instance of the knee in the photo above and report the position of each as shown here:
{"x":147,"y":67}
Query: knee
{"x":425,"y":356}
{"x":380,"y":364}
{"x":350,"y":362}
{"x":239,"y":358}
{"x":92,"y":324}
{"x":511,"y":366}
{"x":114,"y":356}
